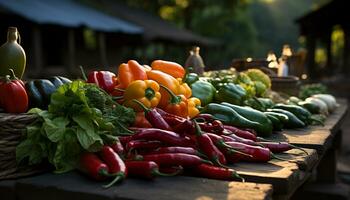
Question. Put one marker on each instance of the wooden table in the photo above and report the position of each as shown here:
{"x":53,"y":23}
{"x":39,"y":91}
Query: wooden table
{"x":286,"y":177}
{"x":75,"y":186}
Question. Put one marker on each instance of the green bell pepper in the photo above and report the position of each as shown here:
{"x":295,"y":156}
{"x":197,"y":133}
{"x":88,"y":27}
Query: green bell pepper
{"x":230,"y":93}
{"x":190,"y":78}
{"x":204,"y":91}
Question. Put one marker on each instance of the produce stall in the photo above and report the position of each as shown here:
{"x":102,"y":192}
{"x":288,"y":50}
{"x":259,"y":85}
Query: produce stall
{"x":160,"y":131}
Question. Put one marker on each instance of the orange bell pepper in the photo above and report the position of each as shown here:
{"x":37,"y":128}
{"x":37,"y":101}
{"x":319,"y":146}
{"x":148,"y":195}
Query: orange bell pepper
{"x":147,"y":92}
{"x":177,"y":104}
{"x":172,"y":68}
{"x":130,"y":72}
{"x":184,"y":89}
{"x":168,"y":81}
{"x":193,"y":104}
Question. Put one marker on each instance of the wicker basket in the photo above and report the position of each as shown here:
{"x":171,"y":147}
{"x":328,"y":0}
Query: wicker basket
{"x":12,"y":127}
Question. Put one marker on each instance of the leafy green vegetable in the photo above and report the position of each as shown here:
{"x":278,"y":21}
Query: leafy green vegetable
{"x":81,"y":117}
{"x":311,"y":89}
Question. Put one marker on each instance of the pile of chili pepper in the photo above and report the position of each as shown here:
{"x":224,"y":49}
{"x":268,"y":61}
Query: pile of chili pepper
{"x":164,"y":144}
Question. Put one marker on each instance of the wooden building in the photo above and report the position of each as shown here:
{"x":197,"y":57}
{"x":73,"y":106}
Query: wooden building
{"x":60,"y":35}
{"x":317,"y":26}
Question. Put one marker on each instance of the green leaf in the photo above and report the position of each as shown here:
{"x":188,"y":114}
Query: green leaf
{"x":89,"y":140}
{"x":55,"y":128}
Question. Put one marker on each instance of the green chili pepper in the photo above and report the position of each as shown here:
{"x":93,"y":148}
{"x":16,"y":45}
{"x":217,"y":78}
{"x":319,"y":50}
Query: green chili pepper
{"x":265,"y":125}
{"x":228,"y":116}
{"x":293,"y":121}
{"x":230,"y":93}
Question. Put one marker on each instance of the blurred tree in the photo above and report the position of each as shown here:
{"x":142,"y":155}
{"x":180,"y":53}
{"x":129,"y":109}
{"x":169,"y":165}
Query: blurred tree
{"x":247,"y":28}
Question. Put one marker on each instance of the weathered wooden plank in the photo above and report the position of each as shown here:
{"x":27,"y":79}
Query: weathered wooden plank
{"x":75,"y":186}
{"x":316,"y":137}
{"x":249,"y":191}
{"x":285,"y":176}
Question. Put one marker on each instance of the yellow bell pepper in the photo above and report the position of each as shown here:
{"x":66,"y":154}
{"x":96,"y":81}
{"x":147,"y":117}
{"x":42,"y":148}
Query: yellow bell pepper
{"x":145,"y":91}
{"x":184,"y":89}
{"x":193,"y":104}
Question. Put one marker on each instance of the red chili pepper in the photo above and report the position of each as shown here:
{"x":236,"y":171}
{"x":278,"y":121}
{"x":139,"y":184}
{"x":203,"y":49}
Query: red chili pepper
{"x":241,"y":133}
{"x":175,"y":159}
{"x":208,"y":147}
{"x":214,"y":172}
{"x":115,"y":164}
{"x":176,"y":170}
{"x":171,"y":119}
{"x":186,"y":150}
{"x":221,"y":143}
{"x":231,"y":156}
{"x":164,"y":136}
{"x":241,"y":140}
{"x":118,"y":147}
{"x":125,"y":139}
{"x":154,"y":117}
{"x":186,"y":127}
{"x":142,"y":144}
{"x":91,"y":165}
{"x":145,"y":169}
{"x":13,"y":96}
{"x":215,"y":126}
{"x":104,"y":79}
{"x":279,"y":147}
{"x":259,"y":154}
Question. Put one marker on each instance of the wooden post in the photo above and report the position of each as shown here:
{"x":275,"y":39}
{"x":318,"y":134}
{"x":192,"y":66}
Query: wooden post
{"x":310,"y":57}
{"x":37,"y":49}
{"x":328,"y":40}
{"x":71,"y":51}
{"x":102,"y":45}
{"x":346,"y":64}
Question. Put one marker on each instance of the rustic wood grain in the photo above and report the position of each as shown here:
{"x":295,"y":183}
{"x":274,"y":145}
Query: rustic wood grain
{"x":285,"y":176}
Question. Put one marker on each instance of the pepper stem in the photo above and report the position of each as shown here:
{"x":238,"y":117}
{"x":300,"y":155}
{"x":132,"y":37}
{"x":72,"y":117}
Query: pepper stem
{"x":217,"y":161}
{"x":83,"y":73}
{"x":124,"y":128}
{"x":174,"y":98}
{"x":198,"y":128}
{"x":301,"y":149}
{"x":119,"y":176}
{"x":149,"y":93}
{"x":278,"y":158}
{"x":207,"y":162}
{"x":236,"y":175}
{"x":145,"y":109}
{"x":232,"y":150}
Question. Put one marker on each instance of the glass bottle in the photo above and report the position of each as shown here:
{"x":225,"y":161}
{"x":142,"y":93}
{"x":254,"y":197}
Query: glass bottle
{"x":12,"y":55}
{"x":195,"y":61}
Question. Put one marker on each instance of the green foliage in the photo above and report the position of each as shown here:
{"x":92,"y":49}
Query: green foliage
{"x":246,"y":28}
{"x":80,"y":118}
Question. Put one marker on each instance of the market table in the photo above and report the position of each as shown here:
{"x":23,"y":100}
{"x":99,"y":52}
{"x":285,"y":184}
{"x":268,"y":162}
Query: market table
{"x":286,"y":177}
{"x":75,"y":186}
